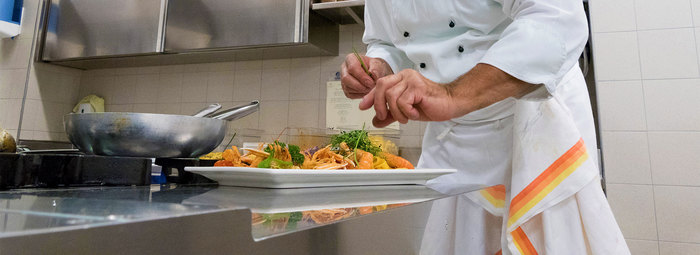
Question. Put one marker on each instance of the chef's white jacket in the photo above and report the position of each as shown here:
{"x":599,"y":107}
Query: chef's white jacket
{"x":536,"y":41}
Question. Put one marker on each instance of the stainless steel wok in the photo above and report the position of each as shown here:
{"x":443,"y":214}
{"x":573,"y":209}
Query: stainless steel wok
{"x":150,"y":135}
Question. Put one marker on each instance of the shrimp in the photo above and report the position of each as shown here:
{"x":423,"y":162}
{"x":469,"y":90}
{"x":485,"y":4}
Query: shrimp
{"x":351,"y":164}
{"x":322,"y":153}
{"x":308,"y":163}
{"x":282,"y":153}
{"x":248,"y":158}
{"x":327,"y":215}
{"x":365,"y":159}
{"x":223,"y":163}
{"x":344,"y":149}
{"x":256,"y":161}
{"x":395,"y":161}
{"x":365,"y":210}
{"x":232,"y":155}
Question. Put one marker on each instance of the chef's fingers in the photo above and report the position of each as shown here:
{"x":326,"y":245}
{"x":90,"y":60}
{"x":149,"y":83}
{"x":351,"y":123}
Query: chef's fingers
{"x":406,"y":104}
{"x":354,"y":95}
{"x":351,"y":86}
{"x":393,"y":94}
{"x":367,"y":100}
{"x":377,"y":68}
{"x":379,"y":94}
{"x":355,"y":70}
{"x":383,"y":123}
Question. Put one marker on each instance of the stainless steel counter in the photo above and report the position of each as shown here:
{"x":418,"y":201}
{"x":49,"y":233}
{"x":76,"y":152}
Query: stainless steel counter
{"x":179,"y":218}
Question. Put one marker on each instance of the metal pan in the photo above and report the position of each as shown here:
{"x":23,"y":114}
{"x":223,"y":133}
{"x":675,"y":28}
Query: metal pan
{"x":149,"y":135}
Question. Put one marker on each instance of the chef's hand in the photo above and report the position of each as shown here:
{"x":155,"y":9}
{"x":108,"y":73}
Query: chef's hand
{"x":408,"y":95}
{"x":355,"y":81}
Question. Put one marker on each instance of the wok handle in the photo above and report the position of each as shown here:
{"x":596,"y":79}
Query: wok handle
{"x":207,"y":111}
{"x":238,"y":111}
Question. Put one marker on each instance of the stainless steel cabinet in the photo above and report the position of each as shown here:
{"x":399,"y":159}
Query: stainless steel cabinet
{"x":100,"y":28}
{"x":202,"y":24}
{"x":103,"y":33}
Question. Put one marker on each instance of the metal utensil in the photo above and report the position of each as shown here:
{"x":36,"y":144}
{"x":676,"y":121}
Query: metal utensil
{"x":149,"y":135}
{"x":238,"y":111}
{"x":207,"y":111}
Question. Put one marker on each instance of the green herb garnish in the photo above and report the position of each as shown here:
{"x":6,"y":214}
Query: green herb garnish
{"x":362,"y":63}
{"x":359,"y":138}
{"x":297,"y":157}
{"x":293,"y":219}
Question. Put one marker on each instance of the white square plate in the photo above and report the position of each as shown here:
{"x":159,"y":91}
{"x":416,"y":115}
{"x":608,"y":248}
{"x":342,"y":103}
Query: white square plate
{"x":303,"y":178}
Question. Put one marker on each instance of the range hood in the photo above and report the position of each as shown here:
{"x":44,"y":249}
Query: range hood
{"x":91,"y":34}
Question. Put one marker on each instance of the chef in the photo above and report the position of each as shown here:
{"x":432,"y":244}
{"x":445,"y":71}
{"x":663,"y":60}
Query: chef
{"x":507,"y":106}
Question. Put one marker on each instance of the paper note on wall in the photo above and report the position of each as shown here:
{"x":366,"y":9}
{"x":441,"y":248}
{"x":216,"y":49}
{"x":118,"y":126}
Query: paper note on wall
{"x":343,"y":113}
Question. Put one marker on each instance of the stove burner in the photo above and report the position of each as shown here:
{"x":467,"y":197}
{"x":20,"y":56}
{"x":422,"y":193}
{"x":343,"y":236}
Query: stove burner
{"x":50,"y":170}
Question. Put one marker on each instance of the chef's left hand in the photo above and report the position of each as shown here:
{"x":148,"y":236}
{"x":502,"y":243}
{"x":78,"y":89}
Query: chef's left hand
{"x":408,"y":95}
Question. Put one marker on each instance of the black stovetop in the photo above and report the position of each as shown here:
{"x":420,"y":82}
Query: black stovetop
{"x":64,"y":169}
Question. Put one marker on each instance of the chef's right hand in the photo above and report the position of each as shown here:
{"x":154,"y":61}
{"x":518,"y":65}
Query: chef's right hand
{"x":355,"y":81}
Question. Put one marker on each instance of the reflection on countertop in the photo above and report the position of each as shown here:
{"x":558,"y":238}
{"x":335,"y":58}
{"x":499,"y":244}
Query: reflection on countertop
{"x":274,"y":211}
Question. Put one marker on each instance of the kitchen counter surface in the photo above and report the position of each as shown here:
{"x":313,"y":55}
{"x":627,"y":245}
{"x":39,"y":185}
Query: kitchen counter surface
{"x":274,"y":212}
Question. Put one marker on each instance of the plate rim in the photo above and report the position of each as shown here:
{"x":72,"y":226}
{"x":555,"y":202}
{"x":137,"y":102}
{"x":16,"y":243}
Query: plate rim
{"x":315,"y":171}
{"x":302,"y":178}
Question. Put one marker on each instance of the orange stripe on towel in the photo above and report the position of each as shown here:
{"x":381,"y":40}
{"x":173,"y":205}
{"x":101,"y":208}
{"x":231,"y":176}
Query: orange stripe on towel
{"x":547,"y":181}
{"x":522,"y":242}
{"x":496,"y":195}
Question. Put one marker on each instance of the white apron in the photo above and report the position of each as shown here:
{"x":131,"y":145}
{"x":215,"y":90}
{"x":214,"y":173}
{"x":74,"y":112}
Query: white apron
{"x":482,"y":151}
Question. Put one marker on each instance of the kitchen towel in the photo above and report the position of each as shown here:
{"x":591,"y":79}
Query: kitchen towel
{"x":554,"y":204}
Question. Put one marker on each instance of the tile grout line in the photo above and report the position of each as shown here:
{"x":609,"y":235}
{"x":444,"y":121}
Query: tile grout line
{"x":644,"y":30}
{"x":657,"y":185}
{"x":650,"y":79}
{"x":653,"y":131}
{"x":692,"y":20}
{"x":677,"y":242}
{"x":646,"y":124}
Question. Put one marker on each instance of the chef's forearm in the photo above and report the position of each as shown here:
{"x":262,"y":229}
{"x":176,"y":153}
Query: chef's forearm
{"x":483,"y":86}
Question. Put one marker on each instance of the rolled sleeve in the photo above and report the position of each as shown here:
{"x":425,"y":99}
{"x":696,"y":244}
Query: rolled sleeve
{"x":543,"y":42}
{"x":378,"y":30}
{"x":394,"y":57}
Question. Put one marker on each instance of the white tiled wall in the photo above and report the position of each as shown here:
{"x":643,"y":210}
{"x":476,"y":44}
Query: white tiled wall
{"x":292,"y":91}
{"x":14,"y":59}
{"x":51,"y":91}
{"x":648,"y":85}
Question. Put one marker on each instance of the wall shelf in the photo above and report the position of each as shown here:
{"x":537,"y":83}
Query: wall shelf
{"x":342,"y":12}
